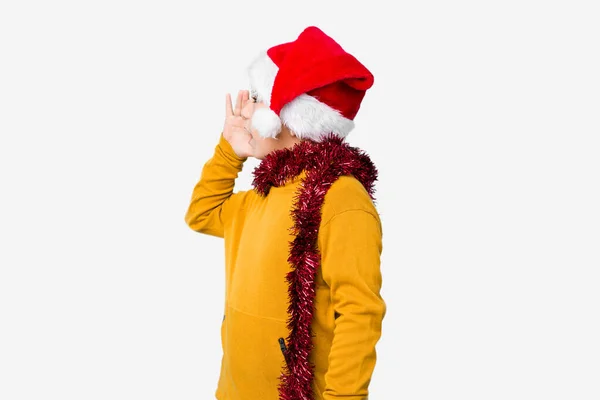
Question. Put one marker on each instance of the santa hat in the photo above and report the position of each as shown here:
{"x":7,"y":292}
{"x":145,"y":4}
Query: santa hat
{"x":311,"y":85}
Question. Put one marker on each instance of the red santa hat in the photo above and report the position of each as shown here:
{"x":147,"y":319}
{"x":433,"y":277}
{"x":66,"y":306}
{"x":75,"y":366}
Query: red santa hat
{"x":311,"y":85}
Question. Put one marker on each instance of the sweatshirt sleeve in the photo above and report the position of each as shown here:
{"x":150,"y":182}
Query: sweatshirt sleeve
{"x":213,"y":201}
{"x":351,"y":245}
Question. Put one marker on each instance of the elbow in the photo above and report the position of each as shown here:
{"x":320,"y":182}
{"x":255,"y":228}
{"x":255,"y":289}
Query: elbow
{"x":195,"y":222}
{"x":203,"y":223}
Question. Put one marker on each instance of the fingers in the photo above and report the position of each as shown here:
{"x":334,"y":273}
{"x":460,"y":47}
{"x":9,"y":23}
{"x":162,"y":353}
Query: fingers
{"x":248,"y":100}
{"x":243,"y":98}
{"x":228,"y":106}
{"x":238,"y":103}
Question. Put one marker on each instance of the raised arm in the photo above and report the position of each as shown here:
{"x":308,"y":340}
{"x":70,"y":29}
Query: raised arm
{"x":213,"y":201}
{"x":351,"y":245}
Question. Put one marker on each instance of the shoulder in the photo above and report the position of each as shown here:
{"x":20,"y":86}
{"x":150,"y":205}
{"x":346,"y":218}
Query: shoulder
{"x":347,"y":194}
{"x":237,"y":203}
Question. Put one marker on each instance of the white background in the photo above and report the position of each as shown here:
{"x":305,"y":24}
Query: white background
{"x":483,"y":122}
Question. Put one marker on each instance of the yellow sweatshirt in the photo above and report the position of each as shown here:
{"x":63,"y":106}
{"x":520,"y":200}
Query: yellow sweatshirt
{"x":348,"y":311}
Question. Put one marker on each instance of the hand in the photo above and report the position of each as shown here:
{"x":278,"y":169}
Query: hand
{"x":235,"y":128}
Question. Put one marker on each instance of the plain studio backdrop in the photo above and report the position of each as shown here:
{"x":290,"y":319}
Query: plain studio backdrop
{"x":483,"y":123}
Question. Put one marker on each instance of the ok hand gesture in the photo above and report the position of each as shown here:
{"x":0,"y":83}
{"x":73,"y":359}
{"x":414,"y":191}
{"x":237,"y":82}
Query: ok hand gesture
{"x":236,"y":128}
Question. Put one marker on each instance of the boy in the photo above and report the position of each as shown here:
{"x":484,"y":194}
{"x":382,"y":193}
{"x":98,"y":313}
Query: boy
{"x":303,"y":310}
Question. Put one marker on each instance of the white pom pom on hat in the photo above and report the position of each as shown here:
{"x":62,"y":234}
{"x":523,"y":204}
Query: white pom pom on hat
{"x":311,"y":85}
{"x":266,"y":122}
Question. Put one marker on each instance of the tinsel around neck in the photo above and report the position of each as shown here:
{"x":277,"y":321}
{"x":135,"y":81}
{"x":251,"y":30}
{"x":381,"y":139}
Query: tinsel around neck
{"x":332,"y":154}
